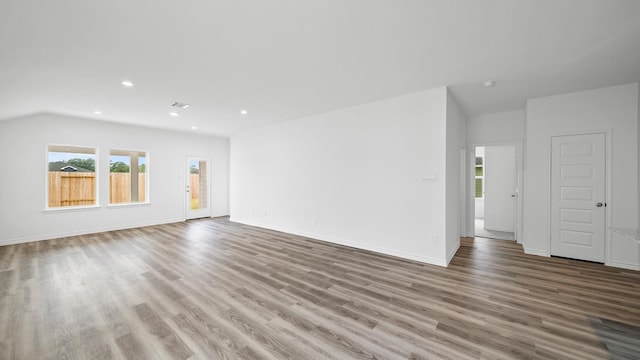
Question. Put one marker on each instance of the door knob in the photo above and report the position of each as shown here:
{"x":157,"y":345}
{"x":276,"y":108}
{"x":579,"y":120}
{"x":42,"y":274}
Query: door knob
{"x":599,"y":204}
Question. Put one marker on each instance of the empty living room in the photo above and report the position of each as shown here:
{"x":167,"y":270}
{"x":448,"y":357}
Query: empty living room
{"x":361,"y":179}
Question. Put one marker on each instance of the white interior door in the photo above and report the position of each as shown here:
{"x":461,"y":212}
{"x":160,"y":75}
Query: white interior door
{"x":500,"y":188}
{"x":198,"y":194}
{"x":578,"y":196}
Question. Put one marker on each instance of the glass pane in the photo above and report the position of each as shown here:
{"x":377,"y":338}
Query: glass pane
{"x":478,"y":188}
{"x":479,"y":170}
{"x":198,"y":184}
{"x":119,"y":179}
{"x":71,"y":177}
{"x":142,"y":178}
{"x":125,"y":186}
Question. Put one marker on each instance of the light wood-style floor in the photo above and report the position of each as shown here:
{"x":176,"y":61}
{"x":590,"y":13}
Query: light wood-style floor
{"x":211,"y":289}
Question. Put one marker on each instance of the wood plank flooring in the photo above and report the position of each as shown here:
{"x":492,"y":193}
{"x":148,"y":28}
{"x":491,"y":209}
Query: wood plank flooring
{"x":213,"y":289}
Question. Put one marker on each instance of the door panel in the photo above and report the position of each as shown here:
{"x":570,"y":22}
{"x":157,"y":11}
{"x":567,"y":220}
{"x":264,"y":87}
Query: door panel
{"x":577,"y":187}
{"x":197,"y":188}
{"x":501,"y":182}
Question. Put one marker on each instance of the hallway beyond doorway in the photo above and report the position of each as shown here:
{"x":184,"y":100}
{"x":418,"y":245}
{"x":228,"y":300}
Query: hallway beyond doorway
{"x":480,"y":231}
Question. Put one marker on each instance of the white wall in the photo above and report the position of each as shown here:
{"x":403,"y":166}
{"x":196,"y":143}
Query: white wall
{"x":479,"y":207}
{"x":508,"y":126}
{"x":371,"y":176}
{"x":500,"y":182}
{"x":23,"y":144}
{"x":613,"y":109}
{"x":456,"y":141}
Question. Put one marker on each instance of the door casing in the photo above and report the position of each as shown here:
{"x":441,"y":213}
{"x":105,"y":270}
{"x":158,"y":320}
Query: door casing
{"x":471,"y":210}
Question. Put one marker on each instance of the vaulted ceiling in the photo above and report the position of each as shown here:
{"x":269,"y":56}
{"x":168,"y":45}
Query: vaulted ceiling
{"x":283,"y":59}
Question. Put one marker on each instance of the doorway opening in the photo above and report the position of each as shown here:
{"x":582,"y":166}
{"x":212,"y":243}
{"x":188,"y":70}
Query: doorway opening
{"x":197,"y":188}
{"x":495,"y":188}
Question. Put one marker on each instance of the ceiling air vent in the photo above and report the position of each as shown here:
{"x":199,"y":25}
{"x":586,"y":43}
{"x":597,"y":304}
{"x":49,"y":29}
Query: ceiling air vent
{"x":180,"y":105}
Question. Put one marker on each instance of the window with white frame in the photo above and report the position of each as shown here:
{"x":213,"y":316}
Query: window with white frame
{"x":128,"y":176}
{"x":479,"y":177}
{"x":71,"y":176}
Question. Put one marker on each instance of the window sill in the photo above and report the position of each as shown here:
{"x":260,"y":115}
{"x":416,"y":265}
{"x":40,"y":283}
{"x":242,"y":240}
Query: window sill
{"x":115,"y":206}
{"x":71,"y":208}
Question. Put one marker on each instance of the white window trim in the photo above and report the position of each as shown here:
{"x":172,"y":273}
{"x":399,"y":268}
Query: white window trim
{"x":70,"y":208}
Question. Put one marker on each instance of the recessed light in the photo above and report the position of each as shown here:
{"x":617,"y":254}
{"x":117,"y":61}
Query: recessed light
{"x":127,"y":83}
{"x":489,"y":83}
{"x":243,"y":112}
{"x":194,"y":128}
{"x":97,"y":112}
{"x":174,"y":114}
{"x":180,"y":105}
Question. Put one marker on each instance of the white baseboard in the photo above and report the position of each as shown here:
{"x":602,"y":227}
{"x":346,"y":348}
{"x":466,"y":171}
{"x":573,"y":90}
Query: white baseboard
{"x":500,"y":229}
{"x":624,"y":265}
{"x":538,"y":252}
{"x":321,"y":237}
{"x":28,"y":239}
{"x":618,"y":264}
{"x":452,"y":253}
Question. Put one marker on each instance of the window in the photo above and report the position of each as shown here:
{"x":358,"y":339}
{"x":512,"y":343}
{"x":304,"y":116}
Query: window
{"x":127,"y":177}
{"x":479,"y":178}
{"x":71,"y":176}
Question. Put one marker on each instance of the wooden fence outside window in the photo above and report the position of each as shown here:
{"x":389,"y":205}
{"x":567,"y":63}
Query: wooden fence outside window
{"x":78,"y":188}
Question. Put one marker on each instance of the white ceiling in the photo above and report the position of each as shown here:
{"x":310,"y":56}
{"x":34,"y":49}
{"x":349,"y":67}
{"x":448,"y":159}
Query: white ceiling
{"x":282,"y":59}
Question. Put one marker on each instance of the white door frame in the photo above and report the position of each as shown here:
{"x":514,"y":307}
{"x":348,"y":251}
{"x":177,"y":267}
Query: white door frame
{"x":471,"y":208}
{"x":463,"y":193}
{"x":187,"y":202}
{"x":608,"y":186}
